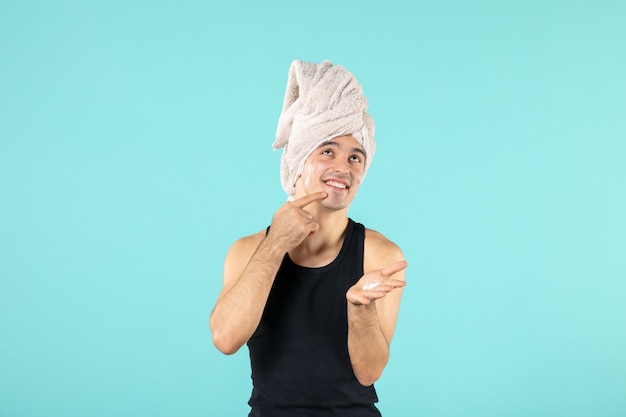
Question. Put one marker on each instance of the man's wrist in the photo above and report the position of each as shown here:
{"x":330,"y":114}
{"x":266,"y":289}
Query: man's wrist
{"x":273,"y":247}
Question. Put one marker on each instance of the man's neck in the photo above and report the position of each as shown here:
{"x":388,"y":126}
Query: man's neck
{"x":323,"y":246}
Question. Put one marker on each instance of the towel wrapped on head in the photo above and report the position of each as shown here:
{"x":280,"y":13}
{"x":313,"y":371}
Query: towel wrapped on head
{"x":322,"y":101}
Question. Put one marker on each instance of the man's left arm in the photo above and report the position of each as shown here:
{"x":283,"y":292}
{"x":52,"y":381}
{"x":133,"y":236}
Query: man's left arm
{"x":373,"y":305}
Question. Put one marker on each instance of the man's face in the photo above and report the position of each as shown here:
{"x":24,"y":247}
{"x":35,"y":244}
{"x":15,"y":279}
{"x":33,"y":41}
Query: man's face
{"x":337,"y":167}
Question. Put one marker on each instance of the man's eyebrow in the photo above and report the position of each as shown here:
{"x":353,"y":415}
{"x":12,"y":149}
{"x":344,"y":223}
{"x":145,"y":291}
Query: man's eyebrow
{"x":359,"y":150}
{"x":333,"y":143}
{"x":328,"y":142}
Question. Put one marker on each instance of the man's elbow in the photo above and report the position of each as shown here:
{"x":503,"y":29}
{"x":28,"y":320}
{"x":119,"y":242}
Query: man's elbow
{"x":367,"y":378}
{"x":223,"y":340}
{"x":224,"y":346}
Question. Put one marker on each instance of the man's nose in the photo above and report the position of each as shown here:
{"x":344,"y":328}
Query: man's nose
{"x":341,"y":166}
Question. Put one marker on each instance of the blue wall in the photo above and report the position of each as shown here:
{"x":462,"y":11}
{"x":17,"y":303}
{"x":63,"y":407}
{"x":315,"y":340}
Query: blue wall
{"x":135,"y":147}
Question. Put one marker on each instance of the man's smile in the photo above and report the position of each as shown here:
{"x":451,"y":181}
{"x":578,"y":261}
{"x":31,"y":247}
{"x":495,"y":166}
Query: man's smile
{"x":337,"y":184}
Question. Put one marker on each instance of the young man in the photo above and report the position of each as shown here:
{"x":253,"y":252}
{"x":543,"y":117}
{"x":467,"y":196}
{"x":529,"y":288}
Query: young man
{"x":315,"y":296}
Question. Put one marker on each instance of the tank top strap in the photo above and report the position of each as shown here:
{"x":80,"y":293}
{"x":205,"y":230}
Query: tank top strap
{"x":357,"y":243}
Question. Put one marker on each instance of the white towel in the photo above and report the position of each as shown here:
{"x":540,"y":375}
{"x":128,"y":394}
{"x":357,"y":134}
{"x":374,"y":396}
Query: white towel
{"x":322,"y":101}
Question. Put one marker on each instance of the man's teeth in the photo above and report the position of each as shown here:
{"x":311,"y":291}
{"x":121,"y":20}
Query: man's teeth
{"x":336,"y":184}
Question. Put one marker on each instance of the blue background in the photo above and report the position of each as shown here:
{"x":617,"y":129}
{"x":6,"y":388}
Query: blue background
{"x":135,"y":147}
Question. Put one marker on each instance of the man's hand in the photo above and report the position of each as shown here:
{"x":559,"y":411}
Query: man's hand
{"x":376,"y":284}
{"x":292,"y":224}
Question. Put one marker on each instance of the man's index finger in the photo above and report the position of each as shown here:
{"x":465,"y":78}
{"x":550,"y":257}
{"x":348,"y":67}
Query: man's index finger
{"x":308,"y":199}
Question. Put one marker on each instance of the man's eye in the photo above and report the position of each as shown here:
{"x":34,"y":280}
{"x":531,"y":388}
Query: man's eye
{"x":355,"y":158}
{"x":327,"y":152}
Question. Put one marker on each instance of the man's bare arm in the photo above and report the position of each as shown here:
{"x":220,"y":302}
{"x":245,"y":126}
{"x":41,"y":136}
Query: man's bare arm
{"x":249,"y":271}
{"x":373,"y":304}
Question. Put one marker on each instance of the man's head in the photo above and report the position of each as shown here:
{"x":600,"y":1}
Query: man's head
{"x":337,"y":167}
{"x":322,"y":102}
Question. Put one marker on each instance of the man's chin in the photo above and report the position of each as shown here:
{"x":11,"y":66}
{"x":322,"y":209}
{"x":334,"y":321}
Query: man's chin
{"x":333,"y":204}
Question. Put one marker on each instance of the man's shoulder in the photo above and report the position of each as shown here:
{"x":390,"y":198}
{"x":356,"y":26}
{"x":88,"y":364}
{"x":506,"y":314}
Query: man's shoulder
{"x":377,"y":240}
{"x":240,"y":253}
{"x":379,"y":251}
{"x":248,"y":243}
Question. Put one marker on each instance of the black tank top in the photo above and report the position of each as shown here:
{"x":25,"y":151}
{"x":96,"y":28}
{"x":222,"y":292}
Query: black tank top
{"x":299,"y":352}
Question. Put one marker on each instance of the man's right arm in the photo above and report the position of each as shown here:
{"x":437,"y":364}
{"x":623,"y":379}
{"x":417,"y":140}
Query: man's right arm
{"x":249,"y":271}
